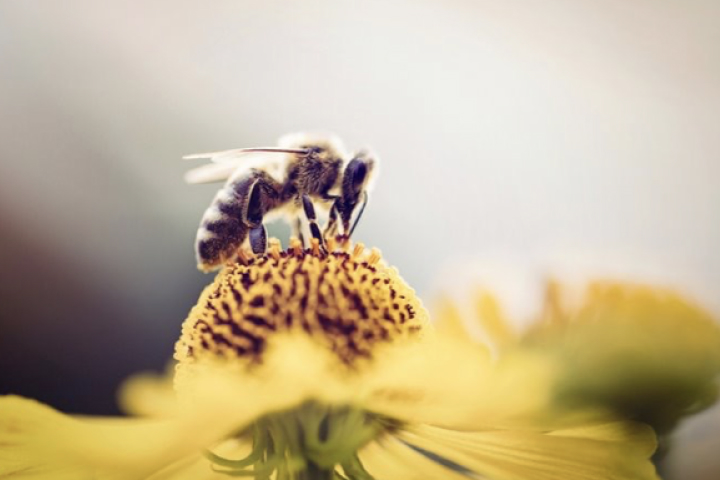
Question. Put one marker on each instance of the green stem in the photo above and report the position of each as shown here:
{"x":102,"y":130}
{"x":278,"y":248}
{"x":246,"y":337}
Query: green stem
{"x":354,"y":469}
{"x":314,"y":472}
{"x":307,"y":443}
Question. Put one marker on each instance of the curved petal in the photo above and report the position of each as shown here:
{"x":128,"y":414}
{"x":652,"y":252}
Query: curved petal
{"x":446,"y":382}
{"x":435,"y":380}
{"x":613,"y":451}
{"x":390,"y":459}
{"x":197,"y":467}
{"x":39,"y":442}
{"x":149,"y":394}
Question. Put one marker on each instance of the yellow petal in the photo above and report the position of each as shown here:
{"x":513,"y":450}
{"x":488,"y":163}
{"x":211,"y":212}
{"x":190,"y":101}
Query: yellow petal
{"x":454,"y":384}
{"x":435,"y":379}
{"x":197,"y":467}
{"x":487,"y":326}
{"x":492,"y":318}
{"x":149,"y":394}
{"x":40,"y":442}
{"x":390,"y":459}
{"x":612,"y":451}
{"x":449,"y":321}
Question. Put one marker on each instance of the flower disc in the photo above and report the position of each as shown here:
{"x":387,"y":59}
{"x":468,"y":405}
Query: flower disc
{"x":348,"y":302}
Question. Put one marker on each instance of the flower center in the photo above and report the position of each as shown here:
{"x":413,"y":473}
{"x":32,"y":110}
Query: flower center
{"x":347,"y":300}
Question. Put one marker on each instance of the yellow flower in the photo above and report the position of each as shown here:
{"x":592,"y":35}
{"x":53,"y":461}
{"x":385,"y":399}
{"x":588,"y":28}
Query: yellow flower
{"x":304,"y":365}
{"x":644,"y":352}
{"x":632,"y":350}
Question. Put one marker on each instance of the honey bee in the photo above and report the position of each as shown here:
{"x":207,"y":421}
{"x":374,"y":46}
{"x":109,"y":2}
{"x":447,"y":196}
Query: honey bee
{"x":287,"y":180}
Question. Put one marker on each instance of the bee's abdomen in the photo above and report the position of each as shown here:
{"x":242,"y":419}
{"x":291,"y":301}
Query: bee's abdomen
{"x":221,"y":232}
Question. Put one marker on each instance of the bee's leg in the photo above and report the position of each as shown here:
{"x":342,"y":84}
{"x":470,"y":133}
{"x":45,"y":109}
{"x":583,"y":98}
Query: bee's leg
{"x":298,"y":230}
{"x":329,"y":198}
{"x":258,"y":239}
{"x":359,"y":214}
{"x":253,"y":212}
{"x":331,"y":227}
{"x":312,"y":220}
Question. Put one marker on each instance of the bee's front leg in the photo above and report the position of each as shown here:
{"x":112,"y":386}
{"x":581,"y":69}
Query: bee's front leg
{"x":359,"y":213}
{"x":258,"y":239}
{"x":297,"y":228}
{"x":309,"y":209}
{"x":332,"y":224}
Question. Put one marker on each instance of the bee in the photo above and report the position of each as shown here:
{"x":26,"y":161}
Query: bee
{"x":288,"y":180}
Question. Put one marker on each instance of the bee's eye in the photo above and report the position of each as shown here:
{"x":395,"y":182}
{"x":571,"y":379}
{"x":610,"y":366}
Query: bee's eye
{"x":356,"y":172}
{"x":359,"y":174}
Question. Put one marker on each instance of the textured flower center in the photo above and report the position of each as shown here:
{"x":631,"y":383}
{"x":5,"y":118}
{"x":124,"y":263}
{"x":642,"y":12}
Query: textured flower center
{"x":347,"y":300}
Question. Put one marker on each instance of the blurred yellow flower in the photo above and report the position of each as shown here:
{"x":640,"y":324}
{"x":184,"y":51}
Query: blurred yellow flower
{"x":626,"y":350}
{"x":645,"y":353}
{"x":304,"y":365}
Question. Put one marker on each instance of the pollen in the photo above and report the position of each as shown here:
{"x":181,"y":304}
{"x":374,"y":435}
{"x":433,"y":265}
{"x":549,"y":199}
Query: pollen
{"x":348,"y":300}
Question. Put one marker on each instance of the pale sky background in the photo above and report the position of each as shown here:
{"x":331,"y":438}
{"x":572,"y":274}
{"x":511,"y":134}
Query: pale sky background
{"x":519,"y":137}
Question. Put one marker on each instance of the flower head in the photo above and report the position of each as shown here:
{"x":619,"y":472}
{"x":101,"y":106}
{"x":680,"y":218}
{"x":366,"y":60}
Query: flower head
{"x":304,"y":364}
{"x":346,"y":302}
{"x":645,"y":352}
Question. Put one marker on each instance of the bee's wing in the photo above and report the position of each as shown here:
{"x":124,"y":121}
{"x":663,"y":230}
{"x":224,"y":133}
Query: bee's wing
{"x":217,"y":157}
{"x":211,"y":172}
{"x":233,"y":165}
{"x":230,"y":155}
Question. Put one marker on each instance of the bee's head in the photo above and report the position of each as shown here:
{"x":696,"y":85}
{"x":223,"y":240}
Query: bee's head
{"x":357,"y":180}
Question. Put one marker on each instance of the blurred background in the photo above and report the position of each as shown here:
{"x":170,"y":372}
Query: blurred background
{"x":570,"y":134}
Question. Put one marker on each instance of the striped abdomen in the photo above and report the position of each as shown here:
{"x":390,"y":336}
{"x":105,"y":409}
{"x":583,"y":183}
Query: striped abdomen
{"x":223,"y":227}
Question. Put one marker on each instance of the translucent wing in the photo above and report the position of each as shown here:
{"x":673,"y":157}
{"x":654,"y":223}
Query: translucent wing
{"x":211,"y":172}
{"x":233,"y":165}
{"x":217,"y":157}
{"x":234,"y":154}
